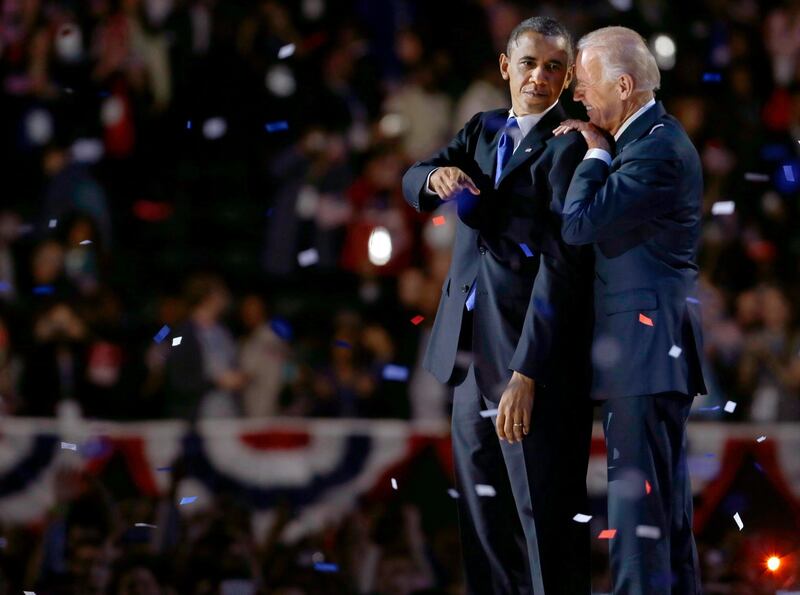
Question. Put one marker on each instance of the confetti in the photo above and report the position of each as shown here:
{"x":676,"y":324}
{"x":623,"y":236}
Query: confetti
{"x":675,"y":351}
{"x":342,"y":344}
{"x":52,"y":223}
{"x":607,"y":534}
{"x":43,"y":289}
{"x":582,"y":518}
{"x":188,"y":500}
{"x":438,"y":220}
{"x":647,"y":487}
{"x":759,"y":467}
{"x":395,"y":372}
{"x":788,"y":173}
{"x":85,"y":242}
{"x":692,"y":300}
{"x":712,"y":77}
{"x":394,"y":483}
{"x":648,"y":532}
{"x":188,"y":124}
{"x":754,"y":177}
{"x":724,"y":207}
{"x":69,"y":446}
{"x":308,"y":257}
{"x":730,"y":407}
{"x":282,"y":328}
{"x":738,"y":520}
{"x":5,"y":286}
{"x":761,"y":439}
{"x":164,"y":469}
{"x":453,"y":494}
{"x":162,"y":334}
{"x":489,"y":413}
{"x":176,"y":341}
{"x":277,"y":126}
{"x":525,"y":249}
{"x":485,"y":490}
{"x":326,"y":567}
{"x":714,"y":408}
{"x":286,"y":51}
{"x":645,"y":320}
{"x":145,"y":525}
{"x":417,"y":319}
{"x":3,"y":542}
{"x":28,"y":593}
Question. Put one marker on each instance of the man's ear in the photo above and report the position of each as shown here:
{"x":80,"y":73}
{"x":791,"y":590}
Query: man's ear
{"x":569,"y":77}
{"x":626,"y":86}
{"x":504,"y":66}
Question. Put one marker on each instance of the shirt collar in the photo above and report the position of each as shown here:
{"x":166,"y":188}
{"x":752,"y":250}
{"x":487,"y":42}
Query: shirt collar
{"x":526,"y":123}
{"x":630,"y":120}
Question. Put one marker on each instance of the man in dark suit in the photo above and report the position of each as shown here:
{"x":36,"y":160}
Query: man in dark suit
{"x":514,"y":293}
{"x":638,"y":201}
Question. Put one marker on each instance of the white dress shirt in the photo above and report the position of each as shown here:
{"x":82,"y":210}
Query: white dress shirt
{"x":605,"y":155}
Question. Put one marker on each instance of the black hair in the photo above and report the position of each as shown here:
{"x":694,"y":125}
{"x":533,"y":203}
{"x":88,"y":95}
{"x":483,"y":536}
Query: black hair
{"x":548,"y":27}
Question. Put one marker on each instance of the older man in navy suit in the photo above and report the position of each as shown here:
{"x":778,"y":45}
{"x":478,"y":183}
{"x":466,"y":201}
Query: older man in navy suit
{"x":638,"y":201}
{"x":517,"y":304}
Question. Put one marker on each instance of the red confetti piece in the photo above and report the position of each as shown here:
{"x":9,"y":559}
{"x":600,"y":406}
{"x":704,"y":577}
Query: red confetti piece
{"x":647,"y":487}
{"x":645,"y":320}
{"x":438,"y":220}
{"x":417,"y":319}
{"x":607,"y":534}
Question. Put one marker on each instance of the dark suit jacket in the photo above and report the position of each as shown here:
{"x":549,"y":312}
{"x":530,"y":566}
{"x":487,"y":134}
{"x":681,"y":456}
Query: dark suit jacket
{"x":643,"y":216}
{"x":495,"y":232}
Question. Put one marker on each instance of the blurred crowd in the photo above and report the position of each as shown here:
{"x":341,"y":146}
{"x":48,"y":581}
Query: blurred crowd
{"x":202,"y":216}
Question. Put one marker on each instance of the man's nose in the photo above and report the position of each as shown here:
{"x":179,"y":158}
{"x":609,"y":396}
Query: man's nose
{"x":538,"y":75}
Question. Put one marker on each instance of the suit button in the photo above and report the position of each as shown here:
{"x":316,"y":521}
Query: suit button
{"x":464,"y":288}
{"x":482,"y":249}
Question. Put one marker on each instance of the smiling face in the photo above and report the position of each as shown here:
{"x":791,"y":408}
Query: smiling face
{"x":603,"y":100}
{"x":537,"y":71}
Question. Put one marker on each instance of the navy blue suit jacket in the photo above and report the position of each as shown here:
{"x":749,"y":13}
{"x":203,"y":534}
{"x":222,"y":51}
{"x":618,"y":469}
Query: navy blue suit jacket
{"x":642,"y":213}
{"x":516,"y":324}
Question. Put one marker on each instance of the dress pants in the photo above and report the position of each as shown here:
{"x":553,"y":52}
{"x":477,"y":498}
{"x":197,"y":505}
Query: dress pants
{"x":650,"y":496}
{"x":523,"y":540}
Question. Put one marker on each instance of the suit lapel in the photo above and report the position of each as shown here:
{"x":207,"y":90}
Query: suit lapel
{"x":640,"y":126}
{"x":534,"y":141}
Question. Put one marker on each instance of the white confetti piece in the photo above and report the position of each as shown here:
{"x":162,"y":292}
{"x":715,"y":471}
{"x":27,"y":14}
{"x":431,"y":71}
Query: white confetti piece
{"x":286,"y":51}
{"x":582,"y":518}
{"x":395,"y":372}
{"x":453,"y":494}
{"x":615,"y":455}
{"x":738,"y":520}
{"x":648,"y":532}
{"x":485,"y":490}
{"x":29,"y":593}
{"x":489,"y":413}
{"x":176,"y":341}
{"x":394,"y":483}
{"x":730,"y":406}
{"x":754,"y":177}
{"x":308,"y":257}
{"x":675,"y":351}
{"x":52,"y":223}
{"x":761,"y":439}
{"x":69,"y":446}
{"x":85,"y":242}
{"x":145,"y":525}
{"x":724,"y":207}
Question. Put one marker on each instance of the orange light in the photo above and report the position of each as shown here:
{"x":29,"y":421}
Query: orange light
{"x":773,"y":563}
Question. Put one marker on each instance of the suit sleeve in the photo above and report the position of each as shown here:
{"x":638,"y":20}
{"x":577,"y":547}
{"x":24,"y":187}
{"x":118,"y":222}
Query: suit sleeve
{"x":601,"y":205}
{"x":558,"y":305}
{"x":455,"y":154}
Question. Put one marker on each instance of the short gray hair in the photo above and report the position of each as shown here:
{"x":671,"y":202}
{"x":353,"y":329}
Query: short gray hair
{"x":623,"y":51}
{"x":547,"y":26}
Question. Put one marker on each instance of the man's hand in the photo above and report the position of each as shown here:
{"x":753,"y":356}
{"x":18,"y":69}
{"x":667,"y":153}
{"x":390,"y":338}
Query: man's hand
{"x":595,"y":138}
{"x":447,"y":182}
{"x":514,"y":410}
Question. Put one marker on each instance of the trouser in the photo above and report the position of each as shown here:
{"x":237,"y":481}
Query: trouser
{"x":523,"y":540}
{"x":650,"y":496}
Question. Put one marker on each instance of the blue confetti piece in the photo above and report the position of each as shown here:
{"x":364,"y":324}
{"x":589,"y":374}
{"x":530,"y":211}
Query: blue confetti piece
{"x":163,"y":468}
{"x":282,"y":328}
{"x":162,"y":334}
{"x":5,"y":286}
{"x":395,"y":372}
{"x":712,"y":77}
{"x":188,"y":124}
{"x":710,"y":455}
{"x":714,"y":408}
{"x":188,"y":500}
{"x":342,"y":344}
{"x":545,"y":308}
{"x":692,"y":300}
{"x":759,"y":467}
{"x":43,"y":290}
{"x":277,"y":126}
{"x":788,"y":173}
{"x":525,"y":249}
{"x":326,"y":567}
{"x":775,"y":152}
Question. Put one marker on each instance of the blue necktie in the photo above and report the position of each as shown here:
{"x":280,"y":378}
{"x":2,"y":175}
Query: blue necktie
{"x":505,"y":148}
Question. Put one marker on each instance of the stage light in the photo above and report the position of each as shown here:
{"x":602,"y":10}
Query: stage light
{"x":773,"y":563}
{"x":664,"y":49}
{"x":379,"y":246}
